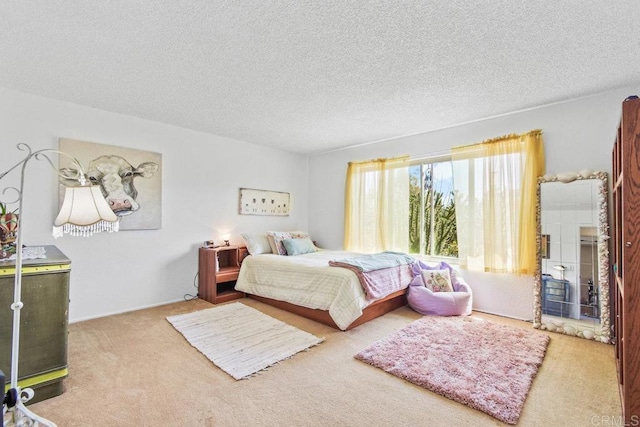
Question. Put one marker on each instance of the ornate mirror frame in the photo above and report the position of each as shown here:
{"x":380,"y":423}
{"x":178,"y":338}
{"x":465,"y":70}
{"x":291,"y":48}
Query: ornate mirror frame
{"x":604,"y":334}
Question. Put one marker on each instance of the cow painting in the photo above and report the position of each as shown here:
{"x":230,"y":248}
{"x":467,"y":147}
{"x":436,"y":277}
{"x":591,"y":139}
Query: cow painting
{"x":130,"y":180}
{"x":115,"y":176}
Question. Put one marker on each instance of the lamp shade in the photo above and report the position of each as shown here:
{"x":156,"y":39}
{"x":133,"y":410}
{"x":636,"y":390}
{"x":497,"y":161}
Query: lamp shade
{"x":84,"y":212}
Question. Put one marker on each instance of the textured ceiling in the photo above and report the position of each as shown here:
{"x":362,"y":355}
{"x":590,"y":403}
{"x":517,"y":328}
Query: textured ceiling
{"x":309,"y":76}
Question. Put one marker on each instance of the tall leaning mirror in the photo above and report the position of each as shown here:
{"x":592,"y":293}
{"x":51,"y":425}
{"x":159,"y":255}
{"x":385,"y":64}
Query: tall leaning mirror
{"x":571,"y":285}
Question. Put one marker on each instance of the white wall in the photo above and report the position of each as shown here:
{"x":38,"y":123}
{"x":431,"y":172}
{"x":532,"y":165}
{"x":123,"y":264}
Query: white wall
{"x":201,"y":177}
{"x":577,"y":134}
{"x":202,"y":174}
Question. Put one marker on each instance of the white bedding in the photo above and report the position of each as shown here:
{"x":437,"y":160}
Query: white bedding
{"x":306,"y":280}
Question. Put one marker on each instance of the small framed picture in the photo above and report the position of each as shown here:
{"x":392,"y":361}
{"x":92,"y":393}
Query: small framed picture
{"x":545,"y":246}
{"x":264,"y":202}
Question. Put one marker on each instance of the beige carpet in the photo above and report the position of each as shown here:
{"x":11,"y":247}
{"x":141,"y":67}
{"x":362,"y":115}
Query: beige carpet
{"x":133,"y":369}
{"x":482,"y":364}
{"x":241,"y":340}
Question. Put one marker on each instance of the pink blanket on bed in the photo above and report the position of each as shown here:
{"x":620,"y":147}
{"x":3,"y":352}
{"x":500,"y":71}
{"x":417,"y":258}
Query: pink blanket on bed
{"x":380,"y":283}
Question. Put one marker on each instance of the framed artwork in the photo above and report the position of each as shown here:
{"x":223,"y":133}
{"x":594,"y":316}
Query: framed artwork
{"x":130,"y":180}
{"x":545,"y":246}
{"x":263,"y":202}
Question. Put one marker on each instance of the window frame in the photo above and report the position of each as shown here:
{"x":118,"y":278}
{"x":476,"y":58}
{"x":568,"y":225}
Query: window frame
{"x":420,"y":161}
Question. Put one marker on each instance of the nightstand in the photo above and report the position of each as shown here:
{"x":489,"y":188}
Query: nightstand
{"x":218,"y":270}
{"x":555,"y":297}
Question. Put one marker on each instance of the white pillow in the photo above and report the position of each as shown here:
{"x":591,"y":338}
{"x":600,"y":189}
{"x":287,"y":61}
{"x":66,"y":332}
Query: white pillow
{"x":257,"y":243}
{"x":437,"y":280}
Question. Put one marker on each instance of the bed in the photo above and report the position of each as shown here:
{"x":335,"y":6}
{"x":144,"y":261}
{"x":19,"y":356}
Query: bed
{"x":306,"y":285}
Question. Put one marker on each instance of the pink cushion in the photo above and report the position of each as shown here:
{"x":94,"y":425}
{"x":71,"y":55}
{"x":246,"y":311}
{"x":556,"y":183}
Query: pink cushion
{"x":425,"y":301}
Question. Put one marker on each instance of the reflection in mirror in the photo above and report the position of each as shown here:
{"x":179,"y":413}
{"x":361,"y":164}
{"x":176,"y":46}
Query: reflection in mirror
{"x":588,"y":256}
{"x":571,"y":283}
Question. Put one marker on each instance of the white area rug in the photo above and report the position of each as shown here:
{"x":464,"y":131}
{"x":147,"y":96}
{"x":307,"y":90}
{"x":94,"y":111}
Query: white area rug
{"x":241,"y":340}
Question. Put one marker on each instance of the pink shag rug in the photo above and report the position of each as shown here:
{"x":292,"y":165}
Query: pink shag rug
{"x":484,"y":365}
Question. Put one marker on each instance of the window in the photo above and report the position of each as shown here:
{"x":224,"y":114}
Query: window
{"x":376,"y":207}
{"x":488,"y":223}
{"x":495,"y":188}
{"x":432,"y":212}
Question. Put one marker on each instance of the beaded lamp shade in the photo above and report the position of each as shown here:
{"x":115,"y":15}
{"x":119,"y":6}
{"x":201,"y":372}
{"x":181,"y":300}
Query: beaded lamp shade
{"x":84,"y":212}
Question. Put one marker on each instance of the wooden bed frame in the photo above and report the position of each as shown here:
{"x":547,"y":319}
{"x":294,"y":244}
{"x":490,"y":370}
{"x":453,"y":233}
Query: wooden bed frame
{"x":375,"y":309}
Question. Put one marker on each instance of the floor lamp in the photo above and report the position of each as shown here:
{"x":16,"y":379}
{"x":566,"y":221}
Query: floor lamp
{"x":84,"y":212}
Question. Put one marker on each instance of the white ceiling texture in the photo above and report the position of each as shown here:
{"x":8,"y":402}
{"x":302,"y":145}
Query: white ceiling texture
{"x":309,"y":76}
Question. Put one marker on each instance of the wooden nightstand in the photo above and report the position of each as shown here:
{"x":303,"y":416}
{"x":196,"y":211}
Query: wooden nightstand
{"x":218,"y":270}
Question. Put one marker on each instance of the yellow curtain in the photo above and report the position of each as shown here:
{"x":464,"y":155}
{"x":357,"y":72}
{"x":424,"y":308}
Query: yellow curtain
{"x":495,"y":183}
{"x":377,"y":205}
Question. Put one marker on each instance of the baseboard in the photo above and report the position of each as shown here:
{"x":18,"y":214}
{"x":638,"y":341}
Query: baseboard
{"x":503,"y":315}
{"x":113,"y":313}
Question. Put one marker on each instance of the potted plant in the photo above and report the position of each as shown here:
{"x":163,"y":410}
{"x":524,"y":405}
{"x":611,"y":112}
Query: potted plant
{"x":8,"y":231}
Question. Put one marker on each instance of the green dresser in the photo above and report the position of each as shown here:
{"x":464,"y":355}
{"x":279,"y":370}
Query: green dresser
{"x":44,"y":318}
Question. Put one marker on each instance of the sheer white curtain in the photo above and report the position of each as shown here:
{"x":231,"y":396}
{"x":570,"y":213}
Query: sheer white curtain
{"x":495,"y":189}
{"x":377,"y":205}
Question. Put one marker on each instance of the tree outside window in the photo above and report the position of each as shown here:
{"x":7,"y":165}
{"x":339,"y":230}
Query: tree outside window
{"x":432,"y":213}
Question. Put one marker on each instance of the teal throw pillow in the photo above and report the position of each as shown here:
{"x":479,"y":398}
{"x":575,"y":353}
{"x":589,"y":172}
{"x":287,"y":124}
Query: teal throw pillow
{"x":299,"y":246}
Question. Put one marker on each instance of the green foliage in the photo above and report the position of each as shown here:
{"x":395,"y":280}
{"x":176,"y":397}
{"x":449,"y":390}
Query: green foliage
{"x":4,"y":209}
{"x":445,"y":233}
{"x":444,"y":230}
